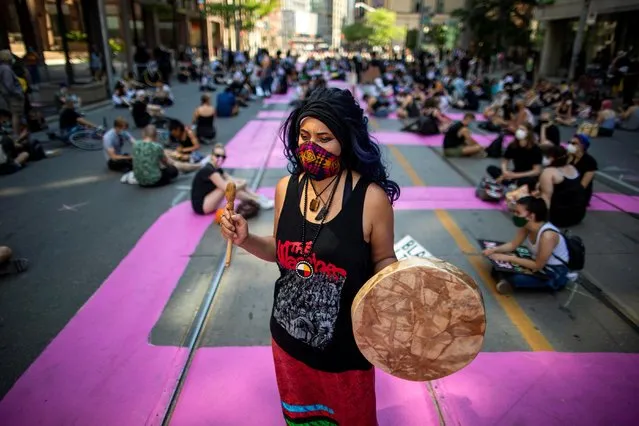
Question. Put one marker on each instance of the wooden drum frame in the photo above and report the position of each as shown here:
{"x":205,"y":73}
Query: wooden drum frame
{"x":419,"y":319}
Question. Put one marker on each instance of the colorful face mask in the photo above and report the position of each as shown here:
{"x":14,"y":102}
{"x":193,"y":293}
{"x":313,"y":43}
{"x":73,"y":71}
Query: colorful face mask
{"x":317,"y":162}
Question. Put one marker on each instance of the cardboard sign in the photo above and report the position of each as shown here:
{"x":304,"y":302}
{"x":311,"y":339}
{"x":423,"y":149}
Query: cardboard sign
{"x":506,"y":267}
{"x":409,"y":247}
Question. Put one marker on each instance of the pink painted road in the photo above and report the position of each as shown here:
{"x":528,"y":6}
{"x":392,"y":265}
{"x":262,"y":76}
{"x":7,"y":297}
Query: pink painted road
{"x":101,"y":370}
{"x":463,"y":198}
{"x":253,"y":142}
{"x":393,"y":116}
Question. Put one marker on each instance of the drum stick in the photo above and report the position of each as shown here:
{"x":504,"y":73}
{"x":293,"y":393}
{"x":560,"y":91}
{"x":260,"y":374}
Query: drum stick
{"x":230,"y":202}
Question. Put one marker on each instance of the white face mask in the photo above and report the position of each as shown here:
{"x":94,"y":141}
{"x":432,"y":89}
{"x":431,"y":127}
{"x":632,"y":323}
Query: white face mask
{"x":521,"y":134}
{"x":545,"y":162}
{"x":572,"y":149}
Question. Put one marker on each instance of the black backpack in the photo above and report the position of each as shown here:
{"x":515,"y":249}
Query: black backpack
{"x":576,"y":251}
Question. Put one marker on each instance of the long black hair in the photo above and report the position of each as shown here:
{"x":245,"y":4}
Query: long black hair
{"x":341,"y":113}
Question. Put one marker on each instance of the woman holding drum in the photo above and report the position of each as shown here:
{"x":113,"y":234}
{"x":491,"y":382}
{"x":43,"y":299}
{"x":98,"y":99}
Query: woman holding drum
{"x":333,"y":231}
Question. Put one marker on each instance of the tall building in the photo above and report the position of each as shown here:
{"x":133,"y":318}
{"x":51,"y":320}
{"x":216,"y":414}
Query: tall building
{"x":331,"y":16}
{"x":611,"y":26}
{"x":299,"y":25}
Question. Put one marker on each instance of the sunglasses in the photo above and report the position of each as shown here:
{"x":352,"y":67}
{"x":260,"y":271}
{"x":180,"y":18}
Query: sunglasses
{"x":222,"y":156}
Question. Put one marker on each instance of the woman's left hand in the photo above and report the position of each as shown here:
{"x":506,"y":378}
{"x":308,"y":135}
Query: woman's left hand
{"x":500,"y":257}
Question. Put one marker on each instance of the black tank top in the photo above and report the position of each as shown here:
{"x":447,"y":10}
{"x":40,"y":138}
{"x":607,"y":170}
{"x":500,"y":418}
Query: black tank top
{"x":568,"y":202}
{"x":186,"y":142}
{"x":311,"y":318}
{"x":205,"y":121}
{"x":452,"y":138}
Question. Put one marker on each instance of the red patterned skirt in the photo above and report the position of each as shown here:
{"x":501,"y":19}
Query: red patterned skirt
{"x":317,"y":398}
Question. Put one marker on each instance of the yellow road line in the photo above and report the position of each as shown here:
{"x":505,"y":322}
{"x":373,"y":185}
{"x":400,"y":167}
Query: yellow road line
{"x":515,"y":313}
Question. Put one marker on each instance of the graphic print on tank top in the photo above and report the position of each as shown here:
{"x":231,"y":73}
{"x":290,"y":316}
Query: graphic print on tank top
{"x":307,"y":308}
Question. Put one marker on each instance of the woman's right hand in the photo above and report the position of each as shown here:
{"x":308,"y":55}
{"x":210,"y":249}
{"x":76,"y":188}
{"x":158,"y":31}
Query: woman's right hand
{"x":234,"y":228}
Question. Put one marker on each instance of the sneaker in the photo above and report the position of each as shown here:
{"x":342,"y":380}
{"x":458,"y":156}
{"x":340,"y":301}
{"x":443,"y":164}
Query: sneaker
{"x":504,"y":287}
{"x":266,"y":204}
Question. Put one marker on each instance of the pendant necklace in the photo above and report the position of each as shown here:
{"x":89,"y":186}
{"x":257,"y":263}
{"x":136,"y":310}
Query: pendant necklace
{"x":315,"y":202}
{"x":304,"y":268}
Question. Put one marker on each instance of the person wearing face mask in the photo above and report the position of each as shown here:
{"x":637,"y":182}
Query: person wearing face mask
{"x":209,"y":186}
{"x":459,"y":142}
{"x":560,"y":186}
{"x":526,"y":157}
{"x":547,"y":132}
{"x":585,"y":163}
{"x":545,"y":242}
{"x":333,"y":230}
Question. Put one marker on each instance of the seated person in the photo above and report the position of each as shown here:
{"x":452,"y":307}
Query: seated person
{"x":131,"y":84}
{"x":560,"y":186}
{"x":11,"y":160}
{"x":522,"y":115}
{"x":10,"y":265}
{"x":113,"y":141}
{"x":585,"y":163}
{"x":226,"y":105}
{"x":71,"y":121}
{"x":204,"y":119}
{"x":151,"y":77}
{"x":629,"y":119}
{"x":547,"y":131}
{"x":207,"y":82}
{"x":458,"y":141}
{"x":24,"y":143}
{"x":409,"y":108}
{"x":532,"y":102}
{"x":209,"y":186}
{"x":151,"y":167}
{"x":606,"y":119}
{"x":63,"y":95}
{"x":526,"y":157}
{"x":564,"y":112}
{"x":163,"y":96}
{"x":140,"y":110}
{"x":239,"y":88}
{"x":187,"y":142}
{"x":430,"y":122}
{"x":376,"y":106}
{"x":120,"y":98}
{"x":470,"y":100}
{"x":545,"y":242}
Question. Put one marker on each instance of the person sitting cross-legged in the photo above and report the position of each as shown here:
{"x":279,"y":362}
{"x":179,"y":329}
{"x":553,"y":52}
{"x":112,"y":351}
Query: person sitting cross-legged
{"x":209,"y":186}
{"x":547,"y":245}
{"x":113,"y":141}
{"x":458,"y":141}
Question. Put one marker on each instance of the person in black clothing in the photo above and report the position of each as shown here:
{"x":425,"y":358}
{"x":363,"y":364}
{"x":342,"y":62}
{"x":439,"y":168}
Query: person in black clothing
{"x":333,"y":230}
{"x":547,"y":131}
{"x":459,"y":142}
{"x":526,"y":157}
{"x":209,"y":186}
{"x":70,"y":120}
{"x":560,"y":186}
{"x":585,"y":163}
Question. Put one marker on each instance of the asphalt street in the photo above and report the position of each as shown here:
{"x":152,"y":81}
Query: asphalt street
{"x":75,"y":222}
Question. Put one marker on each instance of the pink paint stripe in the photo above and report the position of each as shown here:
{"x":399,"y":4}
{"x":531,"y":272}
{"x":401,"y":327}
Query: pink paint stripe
{"x":100,"y":369}
{"x":236,"y":386}
{"x":273,"y":114}
{"x":551,"y":389}
{"x":463,"y":198}
{"x":250,"y":146}
{"x":406,"y":138}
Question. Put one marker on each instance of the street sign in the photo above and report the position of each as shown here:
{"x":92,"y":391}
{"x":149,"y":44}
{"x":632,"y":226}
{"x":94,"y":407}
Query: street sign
{"x":409,"y":247}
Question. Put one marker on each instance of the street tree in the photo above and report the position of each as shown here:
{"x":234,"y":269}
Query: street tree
{"x":384,"y":28}
{"x":241,"y":14}
{"x":499,"y":24}
{"x":356,"y":33}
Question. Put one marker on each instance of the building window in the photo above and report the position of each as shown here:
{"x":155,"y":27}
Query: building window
{"x":439,"y":8}
{"x":418,"y":6}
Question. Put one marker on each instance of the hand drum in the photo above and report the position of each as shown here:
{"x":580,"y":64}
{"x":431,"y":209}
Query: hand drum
{"x":419,"y":319}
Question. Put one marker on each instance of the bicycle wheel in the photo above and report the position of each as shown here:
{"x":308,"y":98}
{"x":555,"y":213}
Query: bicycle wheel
{"x":87,"y":140}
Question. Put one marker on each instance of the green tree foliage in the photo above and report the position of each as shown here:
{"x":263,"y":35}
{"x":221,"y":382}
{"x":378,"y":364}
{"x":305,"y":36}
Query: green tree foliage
{"x":356,"y":32}
{"x":499,"y":24}
{"x":437,"y":35}
{"x":248,"y":12}
{"x":383,"y":24}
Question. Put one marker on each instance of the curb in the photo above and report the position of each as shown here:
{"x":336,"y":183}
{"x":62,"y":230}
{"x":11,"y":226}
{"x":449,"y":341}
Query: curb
{"x":88,"y":108}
